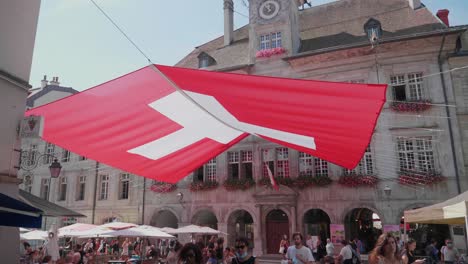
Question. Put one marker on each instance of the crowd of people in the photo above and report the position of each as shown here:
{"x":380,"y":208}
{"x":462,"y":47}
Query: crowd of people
{"x":388,"y":250}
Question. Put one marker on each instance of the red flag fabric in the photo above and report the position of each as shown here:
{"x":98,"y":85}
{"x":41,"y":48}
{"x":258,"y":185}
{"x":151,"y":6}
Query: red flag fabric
{"x":141,"y":123}
{"x":272,"y":179}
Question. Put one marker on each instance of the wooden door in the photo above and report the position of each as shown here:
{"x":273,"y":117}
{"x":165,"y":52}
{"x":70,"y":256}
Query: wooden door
{"x":274,"y":232}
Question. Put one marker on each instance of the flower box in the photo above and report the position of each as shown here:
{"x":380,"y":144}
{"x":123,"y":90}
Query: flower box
{"x":286,"y":181}
{"x":163,"y":187}
{"x":203,"y":186}
{"x":354,"y":180}
{"x":415,"y":106}
{"x":420,"y":178}
{"x":302,"y":182}
{"x":238,"y":184}
{"x":266,"y":53}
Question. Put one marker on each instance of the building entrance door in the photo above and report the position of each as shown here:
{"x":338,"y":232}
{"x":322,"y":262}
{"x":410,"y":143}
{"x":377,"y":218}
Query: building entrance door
{"x":277,"y":225}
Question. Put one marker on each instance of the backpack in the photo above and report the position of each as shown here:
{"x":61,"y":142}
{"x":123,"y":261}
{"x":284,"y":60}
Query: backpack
{"x":355,"y":258}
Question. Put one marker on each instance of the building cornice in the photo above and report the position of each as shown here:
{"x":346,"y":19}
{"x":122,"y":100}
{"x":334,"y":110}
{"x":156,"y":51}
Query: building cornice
{"x":14,"y":80}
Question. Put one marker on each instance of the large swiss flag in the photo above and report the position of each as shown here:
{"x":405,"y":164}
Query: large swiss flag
{"x":164,"y":122}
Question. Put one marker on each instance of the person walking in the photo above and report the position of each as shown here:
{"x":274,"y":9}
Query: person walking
{"x":407,"y":255}
{"x":298,"y":253}
{"x":385,"y":251}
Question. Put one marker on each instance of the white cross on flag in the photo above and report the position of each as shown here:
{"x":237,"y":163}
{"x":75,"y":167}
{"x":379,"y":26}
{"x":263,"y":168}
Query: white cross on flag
{"x":141,"y":123}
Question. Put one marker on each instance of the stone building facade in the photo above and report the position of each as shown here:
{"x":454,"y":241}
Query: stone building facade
{"x":398,"y":42}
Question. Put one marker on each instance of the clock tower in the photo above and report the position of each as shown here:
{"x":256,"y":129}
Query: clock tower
{"x":274,"y":23}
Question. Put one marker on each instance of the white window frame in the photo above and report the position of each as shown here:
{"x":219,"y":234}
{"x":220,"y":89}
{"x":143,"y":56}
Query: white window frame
{"x":103,"y":187}
{"x":270,"y":40}
{"x":240,"y":158}
{"x":50,"y":151}
{"x":124,"y":186}
{"x":210,"y":170}
{"x":414,"y":86}
{"x":306,"y":164}
{"x":365,"y":166}
{"x":416,"y":154}
{"x":62,"y":189}
{"x":320,"y":167}
{"x":66,"y":155}
{"x":45,"y":188}
{"x":81,"y":188}
{"x":32,"y":154}
{"x":277,"y":159}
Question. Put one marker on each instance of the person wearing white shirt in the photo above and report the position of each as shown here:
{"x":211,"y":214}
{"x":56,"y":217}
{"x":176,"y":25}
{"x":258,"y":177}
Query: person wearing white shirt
{"x":346,"y":255}
{"x":330,"y":248}
{"x":298,"y":253}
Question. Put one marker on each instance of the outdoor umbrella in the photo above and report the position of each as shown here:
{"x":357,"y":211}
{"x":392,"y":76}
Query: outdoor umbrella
{"x":194,"y":229}
{"x":74,"y":230}
{"x":34,"y":235}
{"x":168,"y":230}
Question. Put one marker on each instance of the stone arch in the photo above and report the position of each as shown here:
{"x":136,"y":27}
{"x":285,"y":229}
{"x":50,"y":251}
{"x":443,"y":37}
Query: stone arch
{"x":205,"y":217}
{"x":360,"y":223}
{"x":233,"y":209}
{"x":240,"y":223}
{"x":165,"y":217}
{"x":352,"y":207}
{"x":316,"y":222}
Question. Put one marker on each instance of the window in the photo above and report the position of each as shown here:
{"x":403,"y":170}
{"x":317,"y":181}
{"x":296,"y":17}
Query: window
{"x":124,"y":186}
{"x":62,"y":189}
{"x":80,"y":192}
{"x":246,"y":165}
{"x":32,"y":155}
{"x":278,"y":157}
{"x":211,"y":170}
{"x":206,"y":172}
{"x":66,"y":155}
{"x":415,"y":154}
{"x":282,"y":162}
{"x":365,"y":166}
{"x":27,"y":183}
{"x":240,"y":165}
{"x":50,"y":150}
{"x":81,"y":158}
{"x":45,"y":189}
{"x":373,"y":30}
{"x":271,"y":40}
{"x":66,"y":221}
{"x":205,"y":60}
{"x":104,"y":190}
{"x":306,"y":164}
{"x":321,"y":167}
{"x":233,"y":161}
{"x":407,"y":87}
{"x":312,"y":166}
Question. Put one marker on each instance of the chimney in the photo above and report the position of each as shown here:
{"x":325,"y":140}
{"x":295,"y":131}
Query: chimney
{"x":44,"y":82}
{"x":415,"y":4}
{"x":54,"y":81}
{"x":228,"y":22}
{"x":443,"y":15}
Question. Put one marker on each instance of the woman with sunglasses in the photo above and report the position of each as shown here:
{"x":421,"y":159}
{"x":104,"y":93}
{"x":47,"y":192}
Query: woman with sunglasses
{"x":242,"y":253}
{"x":385,"y":251}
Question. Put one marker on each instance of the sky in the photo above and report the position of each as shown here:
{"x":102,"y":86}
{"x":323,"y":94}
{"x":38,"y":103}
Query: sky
{"x":76,"y":43}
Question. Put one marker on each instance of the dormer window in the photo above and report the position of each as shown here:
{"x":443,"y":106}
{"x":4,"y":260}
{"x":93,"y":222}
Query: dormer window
{"x":373,"y":30}
{"x":270,"y":41}
{"x":205,"y":60}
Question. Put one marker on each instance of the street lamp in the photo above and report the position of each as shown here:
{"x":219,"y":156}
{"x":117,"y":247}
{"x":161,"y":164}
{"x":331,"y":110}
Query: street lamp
{"x":55,"y":169}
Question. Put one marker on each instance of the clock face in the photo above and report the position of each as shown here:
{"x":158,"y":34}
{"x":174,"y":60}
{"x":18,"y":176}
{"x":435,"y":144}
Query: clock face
{"x":269,"y":9}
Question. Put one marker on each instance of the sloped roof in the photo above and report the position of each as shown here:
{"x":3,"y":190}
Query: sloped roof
{"x":36,"y":93}
{"x":337,"y":23}
{"x":48,"y":208}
